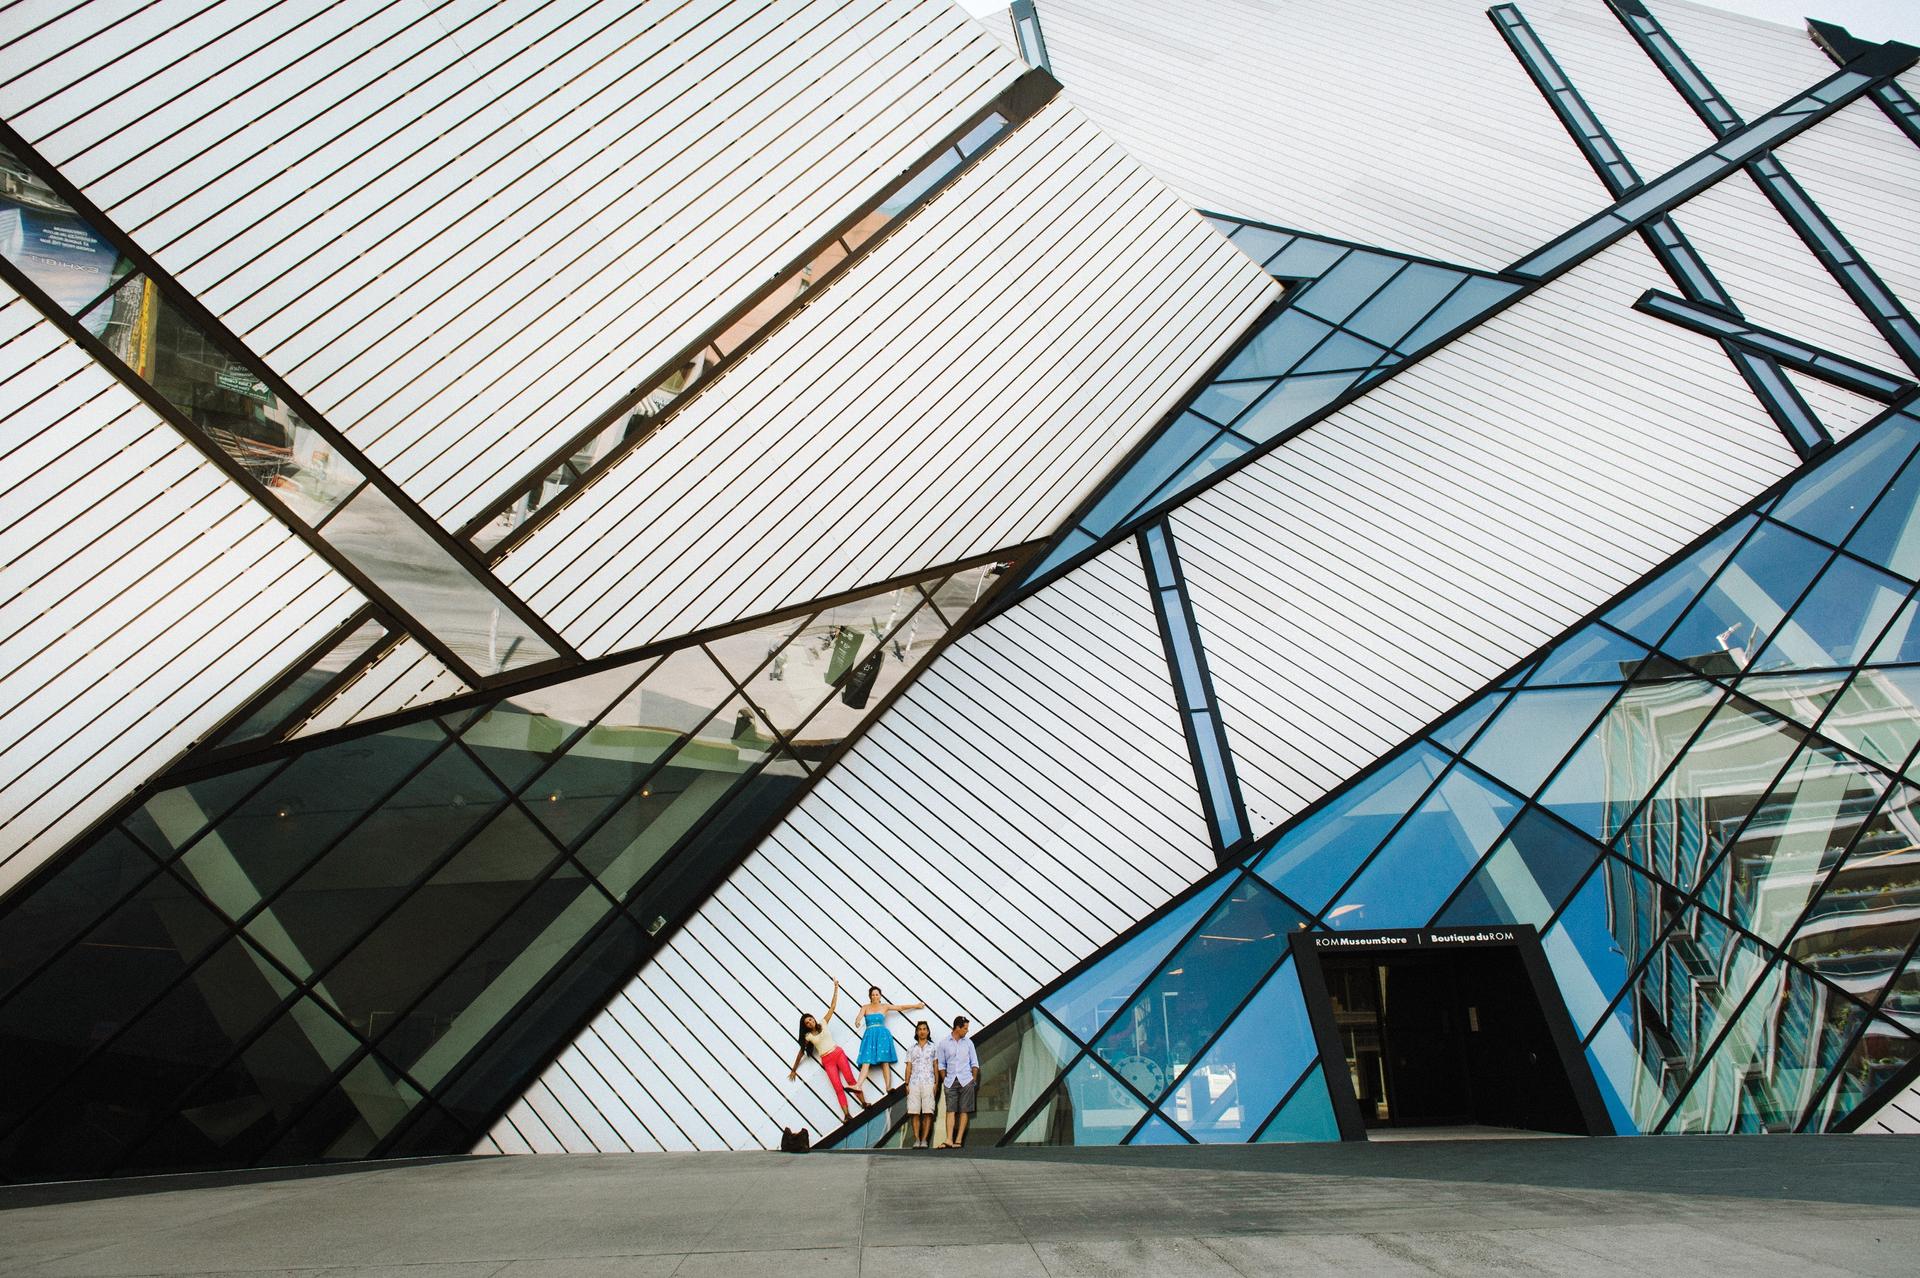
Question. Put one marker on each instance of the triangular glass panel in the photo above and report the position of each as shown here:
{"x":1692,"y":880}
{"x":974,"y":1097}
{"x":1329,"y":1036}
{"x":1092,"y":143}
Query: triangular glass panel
{"x":267,"y":719}
{"x":1294,"y":400}
{"x":1901,"y":642}
{"x":1454,"y":734}
{"x":1090,"y":1107}
{"x":1732,"y":619}
{"x":1225,"y":1095}
{"x":1198,"y":985}
{"x":1857,"y":933}
{"x":1535,"y":730}
{"x":1890,"y":534}
{"x":1085,"y":1004}
{"x":1519,"y":676}
{"x":1529,"y":874}
{"x":1275,"y":348}
{"x":1429,"y":855}
{"x":1472,"y":299}
{"x":1830,"y":499}
{"x":1018,"y":1062}
{"x":1307,"y":1114}
{"x":1604,"y":780}
{"x":1399,"y":308}
{"x":520,"y":734}
{"x":1652,"y":607}
{"x":1592,"y":654}
{"x":1342,"y":352}
{"x":747,"y":654}
{"x":1349,"y":286}
{"x":1878,"y":717}
{"x":1224,"y":401}
{"x":1802,"y":698}
{"x":1157,"y":1131}
{"x":1614,"y":914}
{"x":1305,"y":259}
{"x":1838,"y":622}
{"x":1882,"y":1053}
{"x":1315,"y":856}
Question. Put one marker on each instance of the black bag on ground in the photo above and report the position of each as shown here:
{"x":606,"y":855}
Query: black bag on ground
{"x":795,"y":1142}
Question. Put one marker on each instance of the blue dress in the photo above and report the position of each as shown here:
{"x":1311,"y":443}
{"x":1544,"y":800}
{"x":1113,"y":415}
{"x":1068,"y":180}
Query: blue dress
{"x":876,"y":1045}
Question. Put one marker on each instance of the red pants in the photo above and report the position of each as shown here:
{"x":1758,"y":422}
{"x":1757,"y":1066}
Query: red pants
{"x":839,"y":1073}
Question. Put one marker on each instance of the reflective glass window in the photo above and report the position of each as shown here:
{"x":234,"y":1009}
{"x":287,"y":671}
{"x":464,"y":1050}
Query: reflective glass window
{"x":1198,"y":987}
{"x":1224,"y":401}
{"x":1471,"y":299}
{"x":1838,"y":622}
{"x":1163,"y":459}
{"x":274,"y":713}
{"x":1858,"y":930}
{"x":1227,"y":1095}
{"x":1879,"y":1055}
{"x":1294,"y":400}
{"x":1276,"y":348}
{"x":1223,"y":451}
{"x":517,"y":736}
{"x":1733,"y":618}
{"x":1529,"y":874}
{"x":1878,"y":716}
{"x":1396,"y":309}
{"x":1592,"y":654}
{"x":353,"y":1115}
{"x":50,"y":243}
{"x":1901,"y":643}
{"x":1086,"y":1003}
{"x":1803,"y":698}
{"x":1348,"y":286}
{"x":1306,"y":1115}
{"x":1305,"y":259}
{"x":1090,"y":1107}
{"x":1157,"y":1131}
{"x":1312,"y":860}
{"x":1890,"y":534}
{"x":1534,"y":731}
{"x":1018,"y":1063}
{"x":1425,"y":860}
{"x":1459,"y":729}
{"x":37,"y":924}
{"x":433,"y":587}
{"x":1588,"y":945}
{"x":1342,"y":352}
{"x":1647,"y":613}
{"x":1830,"y":500}
{"x":1607,"y":776}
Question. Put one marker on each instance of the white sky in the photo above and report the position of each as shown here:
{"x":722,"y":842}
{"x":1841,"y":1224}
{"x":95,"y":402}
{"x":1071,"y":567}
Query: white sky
{"x":1868,"y":19}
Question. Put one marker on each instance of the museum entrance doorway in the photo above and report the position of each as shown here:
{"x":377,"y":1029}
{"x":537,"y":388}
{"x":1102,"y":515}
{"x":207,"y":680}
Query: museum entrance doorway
{"x":1451,"y":1030}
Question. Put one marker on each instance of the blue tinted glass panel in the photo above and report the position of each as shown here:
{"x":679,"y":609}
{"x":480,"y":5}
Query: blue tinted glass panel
{"x":1307,"y":1115}
{"x":1401,"y":305}
{"x":1649,"y":611}
{"x":1070,"y":545}
{"x":1594,"y":654}
{"x":1733,"y":618}
{"x":1085,"y":1004}
{"x":1890,"y":534}
{"x":1277,"y":347}
{"x":1258,"y":243}
{"x":1342,"y":352}
{"x":1829,"y":500}
{"x":1312,"y":860}
{"x":1228,"y":1094}
{"x":1457,"y":731}
{"x":1198,"y":987}
{"x":1426,"y":859}
{"x":1622,"y":759}
{"x":1222,"y":452}
{"x":1838,"y":622}
{"x":1901,"y":642}
{"x":1534,"y":732}
{"x":1090,"y":1107}
{"x":1291,"y":402}
{"x":1164,"y":458}
{"x":1157,"y":1131}
{"x":1588,"y":945}
{"x":1224,"y":401}
{"x":1306,"y":259}
{"x":1527,"y":877}
{"x":1878,"y":716}
{"x":1348,"y":286}
{"x":1469,"y":300}
{"x":1617,"y":1112}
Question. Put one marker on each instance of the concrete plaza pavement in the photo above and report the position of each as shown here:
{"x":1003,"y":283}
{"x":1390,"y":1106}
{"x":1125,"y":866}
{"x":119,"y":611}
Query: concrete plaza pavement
{"x":1673,"y":1206}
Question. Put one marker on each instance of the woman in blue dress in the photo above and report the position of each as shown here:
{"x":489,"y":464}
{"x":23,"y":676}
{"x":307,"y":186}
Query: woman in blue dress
{"x":876,"y":1040}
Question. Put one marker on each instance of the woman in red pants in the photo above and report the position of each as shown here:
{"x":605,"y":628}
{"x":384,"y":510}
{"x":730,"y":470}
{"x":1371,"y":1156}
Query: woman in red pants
{"x":816,"y":1040}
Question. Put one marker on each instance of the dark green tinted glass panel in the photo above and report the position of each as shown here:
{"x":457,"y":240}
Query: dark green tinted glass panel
{"x":42,"y":920}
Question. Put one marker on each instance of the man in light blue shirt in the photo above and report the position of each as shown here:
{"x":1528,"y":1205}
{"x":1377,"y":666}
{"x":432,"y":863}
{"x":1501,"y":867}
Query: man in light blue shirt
{"x":957,"y":1072}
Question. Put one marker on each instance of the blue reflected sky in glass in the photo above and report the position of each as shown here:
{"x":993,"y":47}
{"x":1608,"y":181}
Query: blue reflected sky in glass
{"x":1829,"y":501}
{"x":1307,"y":1115}
{"x":1157,"y":1131}
{"x":1428,"y":856}
{"x":1890,"y":534}
{"x":1454,"y":734}
{"x":1592,"y":654}
{"x":1312,"y":860}
{"x":1838,"y":621}
{"x":1589,"y":963}
{"x":1225,"y":1096}
{"x":1619,"y":762}
{"x":1534,"y":732}
{"x":1526,"y":878}
{"x":1733,"y":617}
{"x":1084,"y":1004}
{"x":1649,"y":611}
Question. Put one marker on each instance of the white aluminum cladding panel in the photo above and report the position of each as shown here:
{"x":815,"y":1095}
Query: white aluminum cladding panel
{"x":1378,"y":568}
{"x":1022,"y":803}
{"x":462,"y":229}
{"x":145,"y":594}
{"x":957,"y":391}
{"x":1406,"y":124}
{"x":1756,"y":65}
{"x":1865,"y":175}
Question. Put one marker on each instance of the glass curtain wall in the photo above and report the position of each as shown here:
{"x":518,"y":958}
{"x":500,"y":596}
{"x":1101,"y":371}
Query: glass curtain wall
{"x":365,"y":946}
{"x":1706,"y":799}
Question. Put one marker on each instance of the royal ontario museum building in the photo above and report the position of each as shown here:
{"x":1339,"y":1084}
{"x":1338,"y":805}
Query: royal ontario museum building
{"x":1312,"y":566}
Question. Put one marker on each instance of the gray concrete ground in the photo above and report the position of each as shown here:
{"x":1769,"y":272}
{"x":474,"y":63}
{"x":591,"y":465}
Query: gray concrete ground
{"x":1745,"y":1205}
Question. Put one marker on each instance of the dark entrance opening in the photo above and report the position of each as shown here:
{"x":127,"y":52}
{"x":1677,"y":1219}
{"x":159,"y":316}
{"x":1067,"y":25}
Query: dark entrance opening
{"x":1438,"y":1033}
